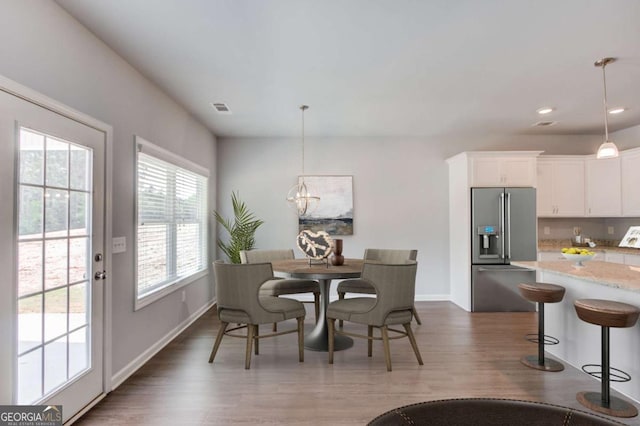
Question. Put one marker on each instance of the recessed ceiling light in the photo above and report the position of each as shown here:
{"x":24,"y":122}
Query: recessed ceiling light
{"x":617,"y":110}
{"x":545,"y":110}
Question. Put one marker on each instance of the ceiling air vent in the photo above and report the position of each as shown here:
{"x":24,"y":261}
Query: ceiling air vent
{"x":545,"y":123}
{"x":221,"y":107}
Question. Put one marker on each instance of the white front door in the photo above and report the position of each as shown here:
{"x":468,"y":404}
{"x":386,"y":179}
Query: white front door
{"x":52,"y":226}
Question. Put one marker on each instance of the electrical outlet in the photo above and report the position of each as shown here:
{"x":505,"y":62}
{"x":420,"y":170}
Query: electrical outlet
{"x":118,"y":245}
{"x":184,"y":295}
{"x":547,"y":230}
{"x":610,"y":230}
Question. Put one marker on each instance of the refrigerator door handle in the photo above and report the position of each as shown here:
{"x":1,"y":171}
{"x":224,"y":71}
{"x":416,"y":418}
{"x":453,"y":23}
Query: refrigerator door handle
{"x":501,"y":226}
{"x":505,"y":270}
{"x":508,"y":216}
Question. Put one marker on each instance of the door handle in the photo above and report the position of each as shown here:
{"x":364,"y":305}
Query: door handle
{"x":100,"y":275}
{"x":505,"y":270}
{"x":501,"y":226}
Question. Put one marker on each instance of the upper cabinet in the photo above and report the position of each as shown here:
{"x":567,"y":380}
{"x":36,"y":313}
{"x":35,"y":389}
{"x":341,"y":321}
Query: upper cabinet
{"x":630,"y":177}
{"x":503,"y":168}
{"x":604,"y":194}
{"x":561,"y":186}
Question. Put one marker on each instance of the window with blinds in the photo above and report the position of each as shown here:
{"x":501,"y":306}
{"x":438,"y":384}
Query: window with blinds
{"x":171,"y":242}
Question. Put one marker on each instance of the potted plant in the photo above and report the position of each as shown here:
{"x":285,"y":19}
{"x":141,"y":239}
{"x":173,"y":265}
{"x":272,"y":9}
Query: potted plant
{"x":241,"y":230}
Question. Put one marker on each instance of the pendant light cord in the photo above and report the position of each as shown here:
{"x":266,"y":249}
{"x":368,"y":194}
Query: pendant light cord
{"x":606,"y":119}
{"x":303,"y":108}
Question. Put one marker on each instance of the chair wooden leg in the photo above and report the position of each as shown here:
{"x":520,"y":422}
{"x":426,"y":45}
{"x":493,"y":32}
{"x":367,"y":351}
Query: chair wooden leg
{"x":341,"y":297}
{"x":331,"y":322}
{"x":316,"y":303}
{"x":256,"y":339}
{"x":247,"y":360}
{"x":370,"y":341}
{"x":414,"y":344}
{"x":301,"y":339}
{"x":216,"y":345}
{"x":385,"y":343}
{"x":415,"y":315}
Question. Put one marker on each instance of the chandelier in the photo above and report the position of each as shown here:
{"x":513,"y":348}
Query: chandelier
{"x":299,"y":196}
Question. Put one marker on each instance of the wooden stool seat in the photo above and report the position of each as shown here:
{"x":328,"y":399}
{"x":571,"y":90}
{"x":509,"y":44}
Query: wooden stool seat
{"x":542,"y":292}
{"x":606,"y":313}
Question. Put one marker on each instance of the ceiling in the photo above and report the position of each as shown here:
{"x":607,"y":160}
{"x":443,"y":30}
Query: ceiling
{"x":379,"y":68}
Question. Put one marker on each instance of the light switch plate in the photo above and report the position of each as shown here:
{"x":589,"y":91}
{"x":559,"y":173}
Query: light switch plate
{"x":610,"y":230}
{"x":118,"y":245}
{"x":547,"y":230}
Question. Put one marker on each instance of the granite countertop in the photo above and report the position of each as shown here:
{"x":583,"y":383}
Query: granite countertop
{"x":614,"y":275}
{"x":603,"y":246}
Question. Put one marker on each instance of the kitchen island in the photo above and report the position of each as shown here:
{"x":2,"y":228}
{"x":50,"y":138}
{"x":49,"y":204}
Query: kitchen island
{"x":580,"y":341}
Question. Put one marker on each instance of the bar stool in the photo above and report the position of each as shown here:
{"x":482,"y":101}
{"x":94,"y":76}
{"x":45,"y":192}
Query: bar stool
{"x":606,"y":313}
{"x":541,"y":293}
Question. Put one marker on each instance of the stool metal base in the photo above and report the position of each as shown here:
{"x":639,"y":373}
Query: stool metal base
{"x":531,"y":361}
{"x":616,"y":407}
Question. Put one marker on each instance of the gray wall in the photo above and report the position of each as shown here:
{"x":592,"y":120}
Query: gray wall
{"x":47,"y":50}
{"x":400,"y":188}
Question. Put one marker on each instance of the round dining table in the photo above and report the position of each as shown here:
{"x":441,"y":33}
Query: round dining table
{"x":318,"y":338}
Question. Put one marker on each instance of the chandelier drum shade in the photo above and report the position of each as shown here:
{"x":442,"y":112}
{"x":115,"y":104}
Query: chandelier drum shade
{"x":608,"y":149}
{"x":299,"y":196}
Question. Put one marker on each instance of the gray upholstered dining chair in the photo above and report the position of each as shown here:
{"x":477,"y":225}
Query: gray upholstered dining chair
{"x":240,"y":302}
{"x":394,"y":285}
{"x":278,"y":286}
{"x":380,"y":255}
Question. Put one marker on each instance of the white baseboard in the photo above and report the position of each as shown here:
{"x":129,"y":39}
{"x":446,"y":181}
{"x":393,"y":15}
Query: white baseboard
{"x":122,"y":375}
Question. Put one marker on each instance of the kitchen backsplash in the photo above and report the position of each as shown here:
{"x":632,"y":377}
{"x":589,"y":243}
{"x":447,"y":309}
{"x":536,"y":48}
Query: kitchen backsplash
{"x":594,"y":228}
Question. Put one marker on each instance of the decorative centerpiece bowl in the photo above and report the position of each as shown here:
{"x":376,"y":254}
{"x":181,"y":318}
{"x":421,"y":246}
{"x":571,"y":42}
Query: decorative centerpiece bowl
{"x":579,"y":258}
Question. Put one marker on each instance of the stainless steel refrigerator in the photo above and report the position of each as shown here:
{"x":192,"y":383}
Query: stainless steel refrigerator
{"x":503,"y":229}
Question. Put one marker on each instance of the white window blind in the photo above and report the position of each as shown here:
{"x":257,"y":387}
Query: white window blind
{"x":171,"y":220}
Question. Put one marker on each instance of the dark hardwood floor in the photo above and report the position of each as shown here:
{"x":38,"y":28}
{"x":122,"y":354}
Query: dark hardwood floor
{"x":465,"y":355}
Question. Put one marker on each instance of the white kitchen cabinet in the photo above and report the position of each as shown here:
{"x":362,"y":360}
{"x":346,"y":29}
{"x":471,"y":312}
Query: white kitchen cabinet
{"x":548,"y":256}
{"x":614,"y":257}
{"x":561,"y":186}
{"x":632,"y":259}
{"x":603,"y":195}
{"x":630,"y":181}
{"x":517,"y":168}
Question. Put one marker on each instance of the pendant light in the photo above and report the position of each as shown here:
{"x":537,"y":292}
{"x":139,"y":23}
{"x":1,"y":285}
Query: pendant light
{"x":608,"y":149}
{"x":299,"y":196}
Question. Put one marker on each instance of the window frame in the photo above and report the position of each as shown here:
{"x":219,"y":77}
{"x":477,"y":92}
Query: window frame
{"x":143,"y":146}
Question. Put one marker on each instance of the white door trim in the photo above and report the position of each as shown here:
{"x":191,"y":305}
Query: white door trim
{"x":38,"y":98}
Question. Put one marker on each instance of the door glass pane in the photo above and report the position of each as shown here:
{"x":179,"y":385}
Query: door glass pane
{"x":57,"y":205}
{"x":55,"y":311}
{"x":80,"y":168}
{"x":30,"y":376}
{"x":79,"y":213}
{"x":55,"y":263}
{"x":55,"y":364}
{"x":57,"y":168}
{"x":78,"y":262}
{"x":29,"y":322}
{"x":29,"y":267}
{"x":30,"y":214}
{"x":78,"y":303}
{"x":78,"y":351}
{"x":31,"y":157}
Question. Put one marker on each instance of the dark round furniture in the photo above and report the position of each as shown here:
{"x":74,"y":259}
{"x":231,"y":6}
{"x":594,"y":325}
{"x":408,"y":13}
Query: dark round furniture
{"x":606,"y":314}
{"x":488,"y":412}
{"x":541,"y":293}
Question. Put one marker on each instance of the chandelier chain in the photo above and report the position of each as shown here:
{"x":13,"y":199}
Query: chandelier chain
{"x":606,"y":119}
